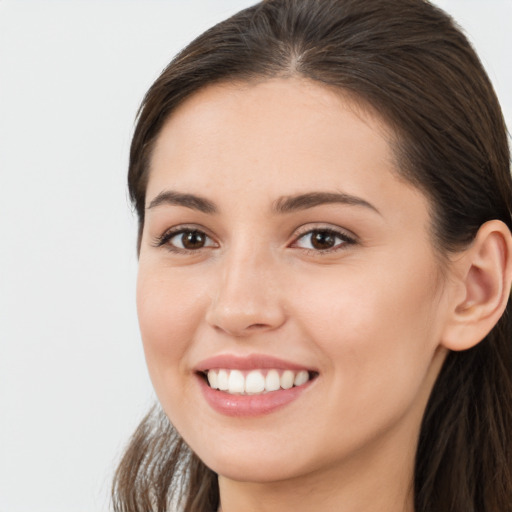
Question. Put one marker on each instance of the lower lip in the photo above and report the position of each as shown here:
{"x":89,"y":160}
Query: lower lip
{"x":250,"y":405}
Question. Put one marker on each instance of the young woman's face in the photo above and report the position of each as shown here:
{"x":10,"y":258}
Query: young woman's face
{"x":280,"y":247}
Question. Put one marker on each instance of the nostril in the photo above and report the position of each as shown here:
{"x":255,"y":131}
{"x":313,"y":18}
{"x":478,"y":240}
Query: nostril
{"x":241,"y":318}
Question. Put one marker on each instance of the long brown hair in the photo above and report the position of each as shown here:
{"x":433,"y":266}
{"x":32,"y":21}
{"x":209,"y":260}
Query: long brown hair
{"x":410,"y":62}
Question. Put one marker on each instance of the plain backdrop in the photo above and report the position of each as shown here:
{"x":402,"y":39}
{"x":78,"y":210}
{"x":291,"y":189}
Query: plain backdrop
{"x":73,"y":383}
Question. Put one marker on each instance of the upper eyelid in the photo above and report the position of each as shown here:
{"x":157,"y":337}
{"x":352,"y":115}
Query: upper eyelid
{"x":186,"y":227}
{"x":180,"y":228}
{"x":319,"y":226}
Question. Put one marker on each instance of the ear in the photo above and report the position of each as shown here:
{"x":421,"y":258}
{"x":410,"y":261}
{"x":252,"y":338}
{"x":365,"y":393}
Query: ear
{"x":484,"y":276}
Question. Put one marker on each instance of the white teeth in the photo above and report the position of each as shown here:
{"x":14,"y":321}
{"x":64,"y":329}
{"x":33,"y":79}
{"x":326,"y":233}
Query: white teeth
{"x":301,"y":378}
{"x":256,"y":381}
{"x":222,"y":380}
{"x":272,"y":381}
{"x":287,"y":379}
{"x":236,"y":382}
{"x":213,"y":379}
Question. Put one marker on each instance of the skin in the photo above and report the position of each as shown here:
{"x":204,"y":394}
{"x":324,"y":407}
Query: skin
{"x":368,"y":315}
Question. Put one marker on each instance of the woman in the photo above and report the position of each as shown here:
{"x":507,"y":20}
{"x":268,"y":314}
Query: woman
{"x":324,"y":200}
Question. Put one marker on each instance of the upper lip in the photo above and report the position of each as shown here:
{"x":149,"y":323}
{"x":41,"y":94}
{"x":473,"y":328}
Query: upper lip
{"x":250,"y":362}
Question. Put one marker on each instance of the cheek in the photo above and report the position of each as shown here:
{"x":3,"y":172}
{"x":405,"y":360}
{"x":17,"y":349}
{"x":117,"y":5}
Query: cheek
{"x":377,"y":328}
{"x":169,"y":313}
{"x":351,"y":303}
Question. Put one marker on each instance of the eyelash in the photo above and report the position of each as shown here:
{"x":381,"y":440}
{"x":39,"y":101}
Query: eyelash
{"x":345,"y":240}
{"x":180,"y":230}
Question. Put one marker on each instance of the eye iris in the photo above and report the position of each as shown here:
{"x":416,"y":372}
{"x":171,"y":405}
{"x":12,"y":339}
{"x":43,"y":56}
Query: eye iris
{"x":322,"y":240}
{"x":193,"y":240}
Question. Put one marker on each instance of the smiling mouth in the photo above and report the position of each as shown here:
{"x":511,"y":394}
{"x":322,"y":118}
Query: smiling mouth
{"x":256,"y":382}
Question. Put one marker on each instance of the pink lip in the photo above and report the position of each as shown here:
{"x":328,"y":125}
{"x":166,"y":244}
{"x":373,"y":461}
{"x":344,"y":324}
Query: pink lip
{"x":251,"y":362}
{"x":248,"y":405}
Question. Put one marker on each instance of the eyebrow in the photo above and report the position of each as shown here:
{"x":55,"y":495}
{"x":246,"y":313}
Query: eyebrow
{"x":285,"y":204}
{"x":179,"y":199}
{"x":289,"y":204}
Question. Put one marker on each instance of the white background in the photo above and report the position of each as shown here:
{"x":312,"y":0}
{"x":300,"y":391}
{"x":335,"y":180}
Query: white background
{"x":73,"y":383}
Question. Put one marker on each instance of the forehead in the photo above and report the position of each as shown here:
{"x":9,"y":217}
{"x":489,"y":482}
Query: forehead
{"x":284,"y":112}
{"x":285,"y":136}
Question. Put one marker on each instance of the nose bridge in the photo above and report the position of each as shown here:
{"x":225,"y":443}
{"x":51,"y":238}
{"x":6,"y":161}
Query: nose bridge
{"x":247,"y":296}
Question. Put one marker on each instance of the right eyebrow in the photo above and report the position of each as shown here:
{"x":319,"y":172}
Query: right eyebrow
{"x":299,"y":202}
{"x":192,"y":201}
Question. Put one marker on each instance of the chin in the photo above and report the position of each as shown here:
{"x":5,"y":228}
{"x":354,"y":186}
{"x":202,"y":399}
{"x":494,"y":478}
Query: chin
{"x":256,"y":470}
{"x":266,"y":461}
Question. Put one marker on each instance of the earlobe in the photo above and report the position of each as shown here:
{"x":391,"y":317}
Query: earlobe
{"x":485,"y":271}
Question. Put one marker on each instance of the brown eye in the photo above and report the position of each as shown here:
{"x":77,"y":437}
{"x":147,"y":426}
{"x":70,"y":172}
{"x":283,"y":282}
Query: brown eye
{"x":323,"y":240}
{"x":186,"y":240}
{"x":193,"y":240}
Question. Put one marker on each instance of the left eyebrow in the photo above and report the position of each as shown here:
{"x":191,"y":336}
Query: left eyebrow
{"x":287,"y":204}
{"x":187,"y":200}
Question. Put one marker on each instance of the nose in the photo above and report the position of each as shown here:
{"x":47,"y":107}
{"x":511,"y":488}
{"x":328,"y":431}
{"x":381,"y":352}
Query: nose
{"x":248,"y":296}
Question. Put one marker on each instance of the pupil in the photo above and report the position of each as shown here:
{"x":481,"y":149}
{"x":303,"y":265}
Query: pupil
{"x":193,"y":240}
{"x":322,"y":240}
